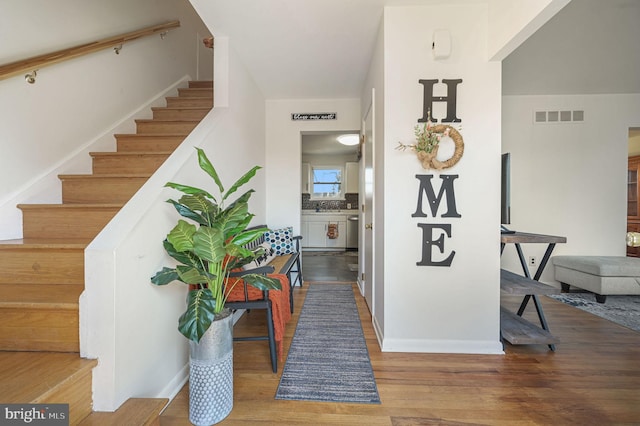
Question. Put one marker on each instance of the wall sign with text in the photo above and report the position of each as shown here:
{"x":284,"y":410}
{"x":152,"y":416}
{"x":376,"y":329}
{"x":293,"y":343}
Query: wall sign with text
{"x":314,"y":116}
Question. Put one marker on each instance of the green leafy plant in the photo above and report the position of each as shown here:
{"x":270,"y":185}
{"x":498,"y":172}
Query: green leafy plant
{"x":210,"y":248}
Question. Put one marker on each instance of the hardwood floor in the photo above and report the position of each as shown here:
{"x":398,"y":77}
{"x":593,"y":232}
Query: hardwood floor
{"x":593,"y":378}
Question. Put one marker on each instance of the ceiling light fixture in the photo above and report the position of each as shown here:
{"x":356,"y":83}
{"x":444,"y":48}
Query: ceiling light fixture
{"x":352,"y":139}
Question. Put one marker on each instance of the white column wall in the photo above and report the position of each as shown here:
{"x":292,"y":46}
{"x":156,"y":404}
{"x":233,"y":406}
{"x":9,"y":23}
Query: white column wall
{"x":427,"y":308}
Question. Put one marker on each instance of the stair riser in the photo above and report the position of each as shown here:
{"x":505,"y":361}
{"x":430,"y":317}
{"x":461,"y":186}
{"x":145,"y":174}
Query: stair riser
{"x":189,"y":102}
{"x":134,"y":164}
{"x":170,"y":114}
{"x":27,"y":329}
{"x":195,"y":92}
{"x":77,"y":393}
{"x":165,"y":127}
{"x":66,"y":223}
{"x":42,"y":266}
{"x":201,"y":84}
{"x":147,"y":143}
{"x":102,"y":190}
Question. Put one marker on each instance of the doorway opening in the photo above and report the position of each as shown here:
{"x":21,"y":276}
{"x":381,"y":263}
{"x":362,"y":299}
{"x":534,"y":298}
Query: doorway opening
{"x":329,"y":205}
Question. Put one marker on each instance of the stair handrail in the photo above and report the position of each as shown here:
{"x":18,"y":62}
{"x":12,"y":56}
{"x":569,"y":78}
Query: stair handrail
{"x":36,"y":62}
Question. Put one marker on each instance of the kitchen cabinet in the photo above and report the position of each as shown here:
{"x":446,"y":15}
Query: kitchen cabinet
{"x":352,"y":175}
{"x":314,"y":229}
{"x":305,"y":178}
{"x":318,"y":234}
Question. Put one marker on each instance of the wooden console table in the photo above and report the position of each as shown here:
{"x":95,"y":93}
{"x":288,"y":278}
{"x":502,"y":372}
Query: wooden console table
{"x":513,"y":327}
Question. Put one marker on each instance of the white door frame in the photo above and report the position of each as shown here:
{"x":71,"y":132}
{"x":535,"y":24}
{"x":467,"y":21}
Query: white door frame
{"x":366,"y":253}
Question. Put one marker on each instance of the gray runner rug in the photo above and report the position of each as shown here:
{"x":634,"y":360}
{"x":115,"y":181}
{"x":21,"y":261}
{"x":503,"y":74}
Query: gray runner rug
{"x":328,"y":359}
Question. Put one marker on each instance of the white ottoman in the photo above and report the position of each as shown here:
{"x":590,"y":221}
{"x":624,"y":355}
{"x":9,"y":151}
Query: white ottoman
{"x":602,"y":275}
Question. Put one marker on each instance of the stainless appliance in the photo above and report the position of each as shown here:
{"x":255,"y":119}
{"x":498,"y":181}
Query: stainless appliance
{"x":352,"y":232}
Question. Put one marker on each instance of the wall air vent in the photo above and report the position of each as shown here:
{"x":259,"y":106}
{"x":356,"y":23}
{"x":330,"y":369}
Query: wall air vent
{"x":553,"y":117}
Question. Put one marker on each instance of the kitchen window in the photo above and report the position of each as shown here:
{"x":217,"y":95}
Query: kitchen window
{"x":327,"y":183}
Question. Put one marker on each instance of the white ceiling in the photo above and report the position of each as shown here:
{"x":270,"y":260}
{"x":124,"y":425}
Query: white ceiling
{"x":305,"y":49}
{"x":314,"y":49}
{"x":326,"y":143}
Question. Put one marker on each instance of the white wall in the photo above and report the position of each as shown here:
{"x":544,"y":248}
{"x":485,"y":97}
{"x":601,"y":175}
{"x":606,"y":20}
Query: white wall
{"x":283,"y":150}
{"x":129,"y":324}
{"x":74,"y":107}
{"x":441,"y":309}
{"x":569,"y":179}
{"x":587,"y":48}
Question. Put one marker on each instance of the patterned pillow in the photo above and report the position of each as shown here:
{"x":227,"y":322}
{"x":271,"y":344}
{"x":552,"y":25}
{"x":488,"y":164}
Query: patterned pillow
{"x":268,"y":255}
{"x":281,"y":240}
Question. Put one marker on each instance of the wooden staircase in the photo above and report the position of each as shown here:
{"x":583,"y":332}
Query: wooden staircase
{"x":43,"y":273}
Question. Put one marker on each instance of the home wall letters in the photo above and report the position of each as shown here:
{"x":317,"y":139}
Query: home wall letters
{"x":429,"y":98}
{"x":429,"y":240}
{"x":434,"y":234}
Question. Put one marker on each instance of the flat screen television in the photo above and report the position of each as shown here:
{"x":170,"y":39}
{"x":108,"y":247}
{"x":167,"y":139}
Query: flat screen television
{"x":505,"y":191}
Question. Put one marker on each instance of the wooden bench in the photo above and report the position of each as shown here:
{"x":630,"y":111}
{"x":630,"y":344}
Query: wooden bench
{"x":515,"y":329}
{"x":284,"y":265}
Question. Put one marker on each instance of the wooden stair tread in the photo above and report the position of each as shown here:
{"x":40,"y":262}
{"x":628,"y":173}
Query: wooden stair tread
{"x":31,"y":377}
{"x":40,"y":296}
{"x":151,"y":136}
{"x":518,"y":331}
{"x":152,"y":120}
{"x":178,"y":108}
{"x":186,"y":113}
{"x":69,"y":206}
{"x":129,"y":153}
{"x":193,"y":91}
{"x":135,"y":411}
{"x":190,"y":101}
{"x":52,"y":243}
{"x":191,"y":97}
{"x":107,"y":176}
{"x":201,"y":83}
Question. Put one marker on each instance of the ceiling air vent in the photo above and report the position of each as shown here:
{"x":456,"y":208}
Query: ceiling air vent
{"x":552,"y":117}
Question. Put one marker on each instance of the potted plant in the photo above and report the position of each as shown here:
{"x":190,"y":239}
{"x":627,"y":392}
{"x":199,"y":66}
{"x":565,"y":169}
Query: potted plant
{"x":206,"y":249}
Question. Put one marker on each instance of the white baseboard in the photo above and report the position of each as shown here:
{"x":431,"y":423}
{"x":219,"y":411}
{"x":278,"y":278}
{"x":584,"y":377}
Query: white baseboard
{"x":443,"y":346}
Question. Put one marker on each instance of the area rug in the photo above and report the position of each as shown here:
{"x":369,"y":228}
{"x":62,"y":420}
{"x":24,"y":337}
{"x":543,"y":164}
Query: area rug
{"x":328,"y":359}
{"x":623,"y":310}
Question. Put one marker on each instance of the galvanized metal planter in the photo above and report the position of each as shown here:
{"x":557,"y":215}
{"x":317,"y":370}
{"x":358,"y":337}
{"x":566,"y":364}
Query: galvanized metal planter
{"x":211,"y":373}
